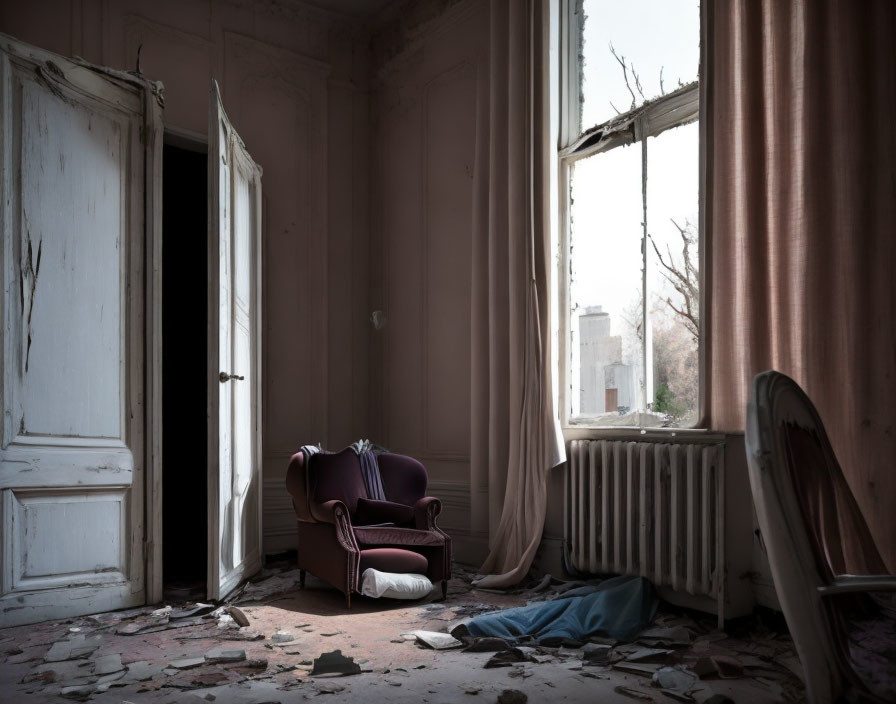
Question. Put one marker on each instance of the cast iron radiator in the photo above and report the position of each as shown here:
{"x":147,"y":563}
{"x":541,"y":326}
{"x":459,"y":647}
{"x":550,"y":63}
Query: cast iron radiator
{"x":653,"y":509}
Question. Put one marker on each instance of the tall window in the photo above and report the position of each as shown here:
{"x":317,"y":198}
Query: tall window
{"x":629,"y":180}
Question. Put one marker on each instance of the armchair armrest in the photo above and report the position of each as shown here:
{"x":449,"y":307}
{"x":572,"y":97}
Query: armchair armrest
{"x":425,"y":512}
{"x":328,"y":511}
{"x":336,"y":513}
{"x":845,"y":583}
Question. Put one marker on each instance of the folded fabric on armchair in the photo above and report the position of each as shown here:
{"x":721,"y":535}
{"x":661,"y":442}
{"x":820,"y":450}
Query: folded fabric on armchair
{"x":619,"y":608}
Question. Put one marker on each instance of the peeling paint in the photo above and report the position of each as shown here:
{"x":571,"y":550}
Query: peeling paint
{"x":48,"y":75}
{"x":28,"y":283}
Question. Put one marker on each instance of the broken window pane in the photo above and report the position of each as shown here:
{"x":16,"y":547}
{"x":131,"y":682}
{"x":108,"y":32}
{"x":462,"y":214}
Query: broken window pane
{"x":605,"y":287}
{"x":659,"y":41}
{"x":673,"y":273}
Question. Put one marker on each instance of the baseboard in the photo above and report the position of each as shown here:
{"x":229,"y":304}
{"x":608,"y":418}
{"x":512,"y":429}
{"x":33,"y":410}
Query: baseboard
{"x":468,"y":549}
{"x":272,"y":544}
{"x":764,"y":591}
{"x":549,"y":558}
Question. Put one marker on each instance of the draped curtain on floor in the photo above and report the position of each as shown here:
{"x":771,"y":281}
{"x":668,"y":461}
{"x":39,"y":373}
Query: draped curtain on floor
{"x":802,"y":223}
{"x":515,"y":439}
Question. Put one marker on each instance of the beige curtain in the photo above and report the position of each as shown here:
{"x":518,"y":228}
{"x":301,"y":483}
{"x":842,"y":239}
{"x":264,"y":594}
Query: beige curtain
{"x":514,"y":434}
{"x":802,"y":223}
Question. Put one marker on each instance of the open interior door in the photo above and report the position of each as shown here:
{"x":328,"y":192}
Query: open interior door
{"x":75,"y":215}
{"x":234,"y":319}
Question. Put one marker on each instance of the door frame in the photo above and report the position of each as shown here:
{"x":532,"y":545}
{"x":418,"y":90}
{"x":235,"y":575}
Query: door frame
{"x":155,"y":140}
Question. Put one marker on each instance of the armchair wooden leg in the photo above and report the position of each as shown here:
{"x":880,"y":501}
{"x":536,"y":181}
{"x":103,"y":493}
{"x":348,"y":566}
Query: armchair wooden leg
{"x":444,"y":589}
{"x":348,"y":600}
{"x":301,"y":579}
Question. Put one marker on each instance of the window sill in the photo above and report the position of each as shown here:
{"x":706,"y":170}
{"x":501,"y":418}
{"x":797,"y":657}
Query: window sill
{"x":693,"y":435}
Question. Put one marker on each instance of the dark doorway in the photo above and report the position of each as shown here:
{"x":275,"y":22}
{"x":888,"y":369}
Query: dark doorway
{"x":184,"y":353}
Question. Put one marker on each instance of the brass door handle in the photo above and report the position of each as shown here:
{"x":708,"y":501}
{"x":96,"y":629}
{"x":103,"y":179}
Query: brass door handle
{"x":224,"y":376}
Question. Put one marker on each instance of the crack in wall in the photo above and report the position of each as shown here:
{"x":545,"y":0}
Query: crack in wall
{"x":28,"y":282}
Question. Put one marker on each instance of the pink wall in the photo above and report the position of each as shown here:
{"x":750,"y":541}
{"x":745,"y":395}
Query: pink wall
{"x":293,"y":79}
{"x":426,"y":102}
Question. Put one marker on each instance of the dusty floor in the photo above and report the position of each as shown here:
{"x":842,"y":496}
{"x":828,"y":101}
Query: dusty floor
{"x":137,"y":657}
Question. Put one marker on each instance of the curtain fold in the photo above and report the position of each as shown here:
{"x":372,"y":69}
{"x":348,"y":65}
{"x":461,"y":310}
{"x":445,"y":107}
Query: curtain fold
{"x":802,"y":96}
{"x":513,"y":422}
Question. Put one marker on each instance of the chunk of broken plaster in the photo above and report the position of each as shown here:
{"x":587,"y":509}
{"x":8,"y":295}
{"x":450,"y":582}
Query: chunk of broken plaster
{"x":107,"y":664}
{"x":111,"y":677}
{"x":677,"y":679}
{"x":328,"y":687}
{"x":512,"y":696}
{"x":76,"y":647}
{"x":197,"y":610}
{"x":335,"y":663}
{"x":506,"y":658}
{"x":220,"y":655}
{"x":437,"y":641}
{"x":238,"y":616}
{"x":186,"y":663}
{"x":81,"y":692}
{"x":650,"y":655}
{"x":282,"y":637}
{"x":142,"y":671}
{"x":242,"y":634}
{"x":596,"y":654}
{"x":226,"y":621}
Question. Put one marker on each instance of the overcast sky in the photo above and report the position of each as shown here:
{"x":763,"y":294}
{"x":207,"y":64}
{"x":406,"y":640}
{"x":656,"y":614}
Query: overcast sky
{"x":607,"y":204}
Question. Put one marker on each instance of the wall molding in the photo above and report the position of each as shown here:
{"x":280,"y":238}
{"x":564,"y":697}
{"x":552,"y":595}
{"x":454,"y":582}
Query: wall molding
{"x":248,"y":60}
{"x":398,"y":39}
{"x":457,"y":70}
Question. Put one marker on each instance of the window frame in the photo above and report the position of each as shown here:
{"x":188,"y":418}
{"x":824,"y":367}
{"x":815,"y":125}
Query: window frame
{"x":650,"y":119}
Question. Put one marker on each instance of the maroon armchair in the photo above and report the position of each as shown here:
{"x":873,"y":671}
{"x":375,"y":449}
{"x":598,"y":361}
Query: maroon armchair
{"x":342,"y":532}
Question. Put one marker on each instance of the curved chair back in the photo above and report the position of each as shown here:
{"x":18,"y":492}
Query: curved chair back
{"x":404,"y":478}
{"x":297,"y":485}
{"x":336,"y":476}
{"x":327,"y":476}
{"x":810,"y":523}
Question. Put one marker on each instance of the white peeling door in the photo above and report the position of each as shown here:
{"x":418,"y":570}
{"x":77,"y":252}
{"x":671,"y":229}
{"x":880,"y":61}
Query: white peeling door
{"x":234,"y":453}
{"x":72,"y":173}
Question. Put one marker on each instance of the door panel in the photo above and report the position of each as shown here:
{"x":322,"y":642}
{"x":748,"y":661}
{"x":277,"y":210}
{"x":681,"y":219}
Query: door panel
{"x":72,"y":452}
{"x":235,"y":356}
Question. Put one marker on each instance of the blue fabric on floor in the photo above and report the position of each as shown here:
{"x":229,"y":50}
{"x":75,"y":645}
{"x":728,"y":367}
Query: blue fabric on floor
{"x":619,"y":608}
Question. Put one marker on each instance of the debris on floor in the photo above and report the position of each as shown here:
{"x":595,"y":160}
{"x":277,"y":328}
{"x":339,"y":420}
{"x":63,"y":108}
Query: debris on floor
{"x":335,"y":663}
{"x":437,"y":641}
{"x":238,"y":616}
{"x":289,"y":645}
{"x":512,"y":656}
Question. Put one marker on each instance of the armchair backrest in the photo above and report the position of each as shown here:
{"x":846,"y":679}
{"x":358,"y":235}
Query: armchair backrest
{"x":324,"y":477}
{"x":336,"y":476}
{"x":404,"y":478}
{"x":297,"y":485}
